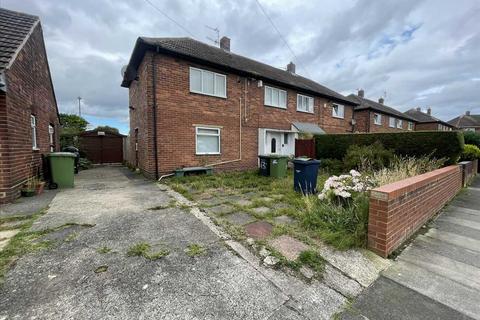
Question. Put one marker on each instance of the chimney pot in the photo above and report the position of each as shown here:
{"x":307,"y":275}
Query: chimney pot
{"x":381,"y":100}
{"x":419,"y":109}
{"x":429,"y":111}
{"x":361,"y":93}
{"x":467,"y":113}
{"x":225,"y":43}
{"x":291,"y":67}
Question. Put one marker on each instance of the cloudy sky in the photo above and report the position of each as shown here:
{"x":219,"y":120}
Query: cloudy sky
{"x":418,"y":52}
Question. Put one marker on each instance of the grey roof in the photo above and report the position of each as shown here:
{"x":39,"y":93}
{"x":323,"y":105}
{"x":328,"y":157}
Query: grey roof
{"x":306,"y":127}
{"x":15,"y":28}
{"x":423,"y":117}
{"x":465,"y":121}
{"x":198,"y":51}
{"x":369,"y":104}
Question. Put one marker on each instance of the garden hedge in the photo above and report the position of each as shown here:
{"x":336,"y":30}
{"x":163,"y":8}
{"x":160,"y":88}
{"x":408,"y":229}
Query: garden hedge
{"x":448,"y":144}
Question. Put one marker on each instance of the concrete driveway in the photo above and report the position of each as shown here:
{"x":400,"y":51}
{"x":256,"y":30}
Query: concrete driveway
{"x":115,"y":209}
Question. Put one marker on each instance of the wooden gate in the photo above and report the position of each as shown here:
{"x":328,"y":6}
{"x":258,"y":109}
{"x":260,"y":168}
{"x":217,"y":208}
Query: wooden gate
{"x":305,"y":148}
{"x":102,"y":147}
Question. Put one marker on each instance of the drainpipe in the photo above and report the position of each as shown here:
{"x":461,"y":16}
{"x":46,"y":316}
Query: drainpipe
{"x":155,"y":140}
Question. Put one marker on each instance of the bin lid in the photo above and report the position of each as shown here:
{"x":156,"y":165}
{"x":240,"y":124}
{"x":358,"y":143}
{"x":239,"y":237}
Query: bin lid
{"x":305,"y":161}
{"x":62,"y":154}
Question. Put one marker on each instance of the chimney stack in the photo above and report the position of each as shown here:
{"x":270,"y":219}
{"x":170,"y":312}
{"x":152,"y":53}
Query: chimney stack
{"x":225,"y":43}
{"x":381,"y":100}
{"x":467,"y":113}
{"x":291,"y":67}
{"x":419,"y":109}
{"x":429,"y":111}
{"x":361,"y":93}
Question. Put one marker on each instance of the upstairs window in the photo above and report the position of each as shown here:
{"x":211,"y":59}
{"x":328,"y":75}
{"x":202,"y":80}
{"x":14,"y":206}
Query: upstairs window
{"x":304,"y":103}
{"x":399,"y":124}
{"x":207,"y":82}
{"x":377,"y":119}
{"x":33,"y":124}
{"x":391,"y":122}
{"x":207,"y":140}
{"x":275,"y":97}
{"x":410,"y":125}
{"x":338,"y":111}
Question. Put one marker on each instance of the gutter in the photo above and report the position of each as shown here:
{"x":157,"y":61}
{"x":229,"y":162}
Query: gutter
{"x":154,"y":92}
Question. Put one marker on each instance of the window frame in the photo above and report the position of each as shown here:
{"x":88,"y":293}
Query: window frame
{"x":333,"y":111}
{"x":215,"y":74}
{"x":33,"y":127}
{"x":309,"y":98}
{"x":279,"y":91}
{"x":209,"y":135}
{"x":379,"y":123}
{"x":399,"y":124}
{"x":392,"y":122}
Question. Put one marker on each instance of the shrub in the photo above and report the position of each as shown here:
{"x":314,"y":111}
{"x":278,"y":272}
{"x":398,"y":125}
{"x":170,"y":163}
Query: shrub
{"x":472,"y":138}
{"x":367,"y":158}
{"x":470,"y":152}
{"x":438,"y":144}
{"x":332,"y":166}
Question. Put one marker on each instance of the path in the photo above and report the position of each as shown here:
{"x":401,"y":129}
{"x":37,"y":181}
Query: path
{"x":438,"y":275}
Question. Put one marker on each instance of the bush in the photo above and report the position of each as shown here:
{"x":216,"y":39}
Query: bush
{"x":367,"y":158}
{"x":470,"y":153}
{"x":472,"y":138}
{"x":332,"y":166}
{"x":438,"y":144}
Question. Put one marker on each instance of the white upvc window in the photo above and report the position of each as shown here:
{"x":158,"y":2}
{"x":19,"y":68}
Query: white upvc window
{"x":391,"y":122}
{"x":410,"y":125}
{"x":207,"y":140}
{"x":275,"y":97}
{"x":338,"y":111}
{"x":33,"y":124}
{"x":304,"y":103}
{"x":377,"y":119}
{"x":51,"y":137}
{"x":399,"y":123}
{"x":208,"y":82}
{"x":469,"y":129}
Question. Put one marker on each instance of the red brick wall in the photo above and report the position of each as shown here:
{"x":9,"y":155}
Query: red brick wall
{"x":399,"y":209}
{"x":179,"y":111}
{"x":29,"y":91}
{"x":365,"y":122}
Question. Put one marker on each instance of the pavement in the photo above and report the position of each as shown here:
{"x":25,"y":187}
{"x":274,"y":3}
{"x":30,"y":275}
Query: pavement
{"x":27,"y":206}
{"x":437,"y":276}
{"x":112,"y":208}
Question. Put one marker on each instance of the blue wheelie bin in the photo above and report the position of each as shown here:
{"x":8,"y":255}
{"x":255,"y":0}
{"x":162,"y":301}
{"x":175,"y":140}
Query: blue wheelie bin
{"x":305,"y":175}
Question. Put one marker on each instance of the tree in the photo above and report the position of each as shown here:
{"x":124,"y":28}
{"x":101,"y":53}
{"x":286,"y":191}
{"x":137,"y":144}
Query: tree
{"x":71,"y":126}
{"x":107,"y":129}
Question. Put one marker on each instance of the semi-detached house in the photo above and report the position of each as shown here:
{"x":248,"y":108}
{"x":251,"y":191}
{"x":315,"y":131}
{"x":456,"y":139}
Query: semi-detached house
{"x":192,"y":104}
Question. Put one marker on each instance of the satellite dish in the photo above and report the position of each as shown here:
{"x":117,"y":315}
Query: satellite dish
{"x":124,"y":69}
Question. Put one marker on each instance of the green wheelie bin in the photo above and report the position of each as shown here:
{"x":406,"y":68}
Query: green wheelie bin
{"x":278,"y":166}
{"x":62,"y":168}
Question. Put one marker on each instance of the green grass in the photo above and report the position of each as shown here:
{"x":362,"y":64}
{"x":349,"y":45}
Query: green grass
{"x":195,"y":249}
{"x":312,"y":259}
{"x":144,"y":249}
{"x":104,"y":250}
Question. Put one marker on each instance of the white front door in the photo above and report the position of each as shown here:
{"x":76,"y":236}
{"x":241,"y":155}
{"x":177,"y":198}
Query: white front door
{"x":278,"y":142}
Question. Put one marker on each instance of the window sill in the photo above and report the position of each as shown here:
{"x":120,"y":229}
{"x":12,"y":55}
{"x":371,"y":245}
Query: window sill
{"x":35,"y":149}
{"x":281,"y":108}
{"x":377,"y":124}
{"x":208,"y":95}
{"x":208,"y":154}
{"x":303,"y":111}
{"x":337,"y":117}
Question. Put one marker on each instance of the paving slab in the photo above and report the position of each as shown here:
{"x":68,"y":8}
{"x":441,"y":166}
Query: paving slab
{"x":243,"y":202}
{"x":288,"y":247}
{"x":258,"y":230}
{"x":455,"y":239}
{"x":239,"y":218}
{"x":281,"y":205}
{"x":221,"y":209}
{"x":261,"y":210}
{"x":27,"y":206}
{"x":284,"y":220}
{"x":341,"y":283}
{"x":210,"y":202}
{"x":5,"y":237}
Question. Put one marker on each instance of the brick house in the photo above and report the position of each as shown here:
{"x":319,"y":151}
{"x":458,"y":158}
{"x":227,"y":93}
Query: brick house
{"x":372,"y":116}
{"x":467,"y":122}
{"x":29,"y":119}
{"x":194,"y":104}
{"x":425,"y":121}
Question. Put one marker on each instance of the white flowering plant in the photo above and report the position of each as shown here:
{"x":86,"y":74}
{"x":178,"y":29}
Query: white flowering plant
{"x":344,"y":187}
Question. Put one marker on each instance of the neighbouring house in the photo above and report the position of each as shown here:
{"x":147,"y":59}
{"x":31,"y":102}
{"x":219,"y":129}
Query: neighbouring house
{"x":372,"y":116}
{"x":29,"y":118}
{"x":467,"y":122}
{"x":192,"y":104}
{"x":425,"y":121}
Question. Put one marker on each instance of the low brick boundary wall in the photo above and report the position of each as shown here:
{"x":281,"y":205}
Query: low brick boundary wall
{"x":399,"y":209}
{"x":470,"y":169}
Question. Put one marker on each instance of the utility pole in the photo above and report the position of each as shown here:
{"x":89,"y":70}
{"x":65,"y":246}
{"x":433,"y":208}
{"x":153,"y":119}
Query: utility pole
{"x":79,"y":106}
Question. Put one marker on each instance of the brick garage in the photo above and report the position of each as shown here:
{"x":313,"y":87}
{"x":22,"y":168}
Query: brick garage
{"x":27,"y":91}
{"x":179,"y":111}
{"x":399,"y":209}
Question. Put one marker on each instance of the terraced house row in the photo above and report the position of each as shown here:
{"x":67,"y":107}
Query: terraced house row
{"x":193,"y":104}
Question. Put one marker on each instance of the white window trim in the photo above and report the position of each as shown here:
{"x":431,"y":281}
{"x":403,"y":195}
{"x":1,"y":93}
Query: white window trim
{"x":271,"y":105}
{"x":379,"y":118}
{"x":33,"y":125}
{"x":390,"y":122}
{"x":399,"y":123}
{"x":208,"y":134}
{"x":214,"y":83}
{"x":333,"y":111}
{"x":308,"y":97}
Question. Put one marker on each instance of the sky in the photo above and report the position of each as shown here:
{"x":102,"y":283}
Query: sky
{"x":414,"y":53}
